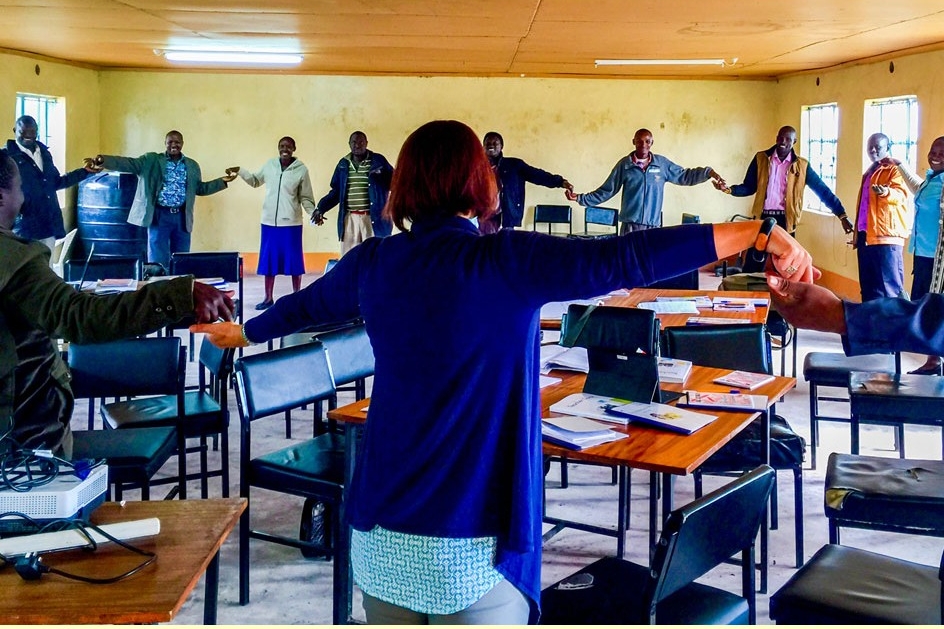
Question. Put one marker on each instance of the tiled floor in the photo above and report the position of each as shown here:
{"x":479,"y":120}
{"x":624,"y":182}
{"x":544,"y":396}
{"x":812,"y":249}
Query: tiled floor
{"x":288,"y":589}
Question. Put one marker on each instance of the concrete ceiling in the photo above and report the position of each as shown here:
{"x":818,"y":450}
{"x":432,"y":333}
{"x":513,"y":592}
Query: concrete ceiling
{"x":559,"y":38}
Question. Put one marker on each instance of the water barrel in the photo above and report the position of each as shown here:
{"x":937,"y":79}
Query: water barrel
{"x":104,"y":202}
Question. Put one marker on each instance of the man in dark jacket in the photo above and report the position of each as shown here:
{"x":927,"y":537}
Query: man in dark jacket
{"x":511,"y":174}
{"x":359,"y":186}
{"x":41,"y":217}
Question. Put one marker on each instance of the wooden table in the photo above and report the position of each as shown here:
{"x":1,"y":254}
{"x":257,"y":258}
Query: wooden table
{"x":637,"y":296}
{"x":188,"y":545}
{"x":652,"y":449}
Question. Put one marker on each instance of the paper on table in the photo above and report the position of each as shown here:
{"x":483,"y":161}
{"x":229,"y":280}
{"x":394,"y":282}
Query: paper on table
{"x":557,"y":309}
{"x":670,"y":307}
{"x":546,"y":381}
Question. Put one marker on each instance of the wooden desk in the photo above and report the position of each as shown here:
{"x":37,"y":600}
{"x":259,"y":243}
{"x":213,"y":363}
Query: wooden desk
{"x":652,"y":449}
{"x":637,"y":296}
{"x":188,"y":545}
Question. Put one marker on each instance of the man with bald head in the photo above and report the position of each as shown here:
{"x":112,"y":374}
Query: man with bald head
{"x":168,"y":185}
{"x":777,"y":178}
{"x":359,"y":186}
{"x":642,"y":175}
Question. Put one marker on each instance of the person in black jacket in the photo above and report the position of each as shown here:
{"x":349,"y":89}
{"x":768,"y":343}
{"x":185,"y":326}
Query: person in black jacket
{"x":41,"y":216}
{"x":511,"y":174}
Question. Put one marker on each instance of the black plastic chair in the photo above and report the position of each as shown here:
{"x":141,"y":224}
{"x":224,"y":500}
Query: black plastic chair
{"x":695,"y":539}
{"x":596,"y":215}
{"x":129,"y":368}
{"x":351,"y":358}
{"x":104,"y":268}
{"x":553,"y":215}
{"x":205,"y":413}
{"x":268,"y":384}
{"x":840,"y":585}
{"x":745,"y":347}
{"x":208,"y":264}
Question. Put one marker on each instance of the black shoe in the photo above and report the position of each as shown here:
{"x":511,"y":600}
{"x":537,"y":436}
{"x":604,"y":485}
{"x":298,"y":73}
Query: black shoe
{"x":927,"y":371}
{"x":264,"y":305}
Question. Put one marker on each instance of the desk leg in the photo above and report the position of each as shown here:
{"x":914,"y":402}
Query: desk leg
{"x":343,"y":578}
{"x":854,"y":427}
{"x":621,"y":519}
{"x":653,"y":512}
{"x":212,"y":590}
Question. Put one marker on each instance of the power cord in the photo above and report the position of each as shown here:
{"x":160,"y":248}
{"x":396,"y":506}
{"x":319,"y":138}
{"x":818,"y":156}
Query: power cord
{"x":23,"y":469}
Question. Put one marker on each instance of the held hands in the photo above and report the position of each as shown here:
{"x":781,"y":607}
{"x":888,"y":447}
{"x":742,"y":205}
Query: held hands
{"x":789,"y":259}
{"x":223,"y":335}
{"x":846,"y":224}
{"x":317,"y":218}
{"x":807,"y":305}
{"x":210,"y":304}
{"x":94,"y":164}
{"x":721,"y":185}
{"x":880,"y":190}
{"x":231,"y":173}
{"x":566,"y":184}
{"x":569,"y":193}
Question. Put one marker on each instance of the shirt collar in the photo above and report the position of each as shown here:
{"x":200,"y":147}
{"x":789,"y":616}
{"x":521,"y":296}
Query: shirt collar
{"x":26,"y":150}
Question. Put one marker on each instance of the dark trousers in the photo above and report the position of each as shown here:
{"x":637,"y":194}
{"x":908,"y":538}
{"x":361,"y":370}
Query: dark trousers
{"x":881,"y":269}
{"x":921,"y":271}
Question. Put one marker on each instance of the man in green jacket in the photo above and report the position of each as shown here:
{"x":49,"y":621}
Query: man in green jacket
{"x":36,"y":306}
{"x":168,"y":184}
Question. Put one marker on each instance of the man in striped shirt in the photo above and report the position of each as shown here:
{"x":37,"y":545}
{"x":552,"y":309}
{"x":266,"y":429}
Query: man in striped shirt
{"x":360,"y":185}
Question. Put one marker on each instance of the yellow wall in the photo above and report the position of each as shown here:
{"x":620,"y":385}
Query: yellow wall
{"x":78,"y":86}
{"x":850,"y":87}
{"x":577,"y":128}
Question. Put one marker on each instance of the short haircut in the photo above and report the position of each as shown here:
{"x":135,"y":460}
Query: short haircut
{"x":174,"y":132}
{"x":493,"y":134}
{"x":351,"y":137}
{"x":289,"y":138}
{"x":442,"y":171}
{"x":880,"y":136}
{"x":7,"y":170}
{"x":27,"y":121}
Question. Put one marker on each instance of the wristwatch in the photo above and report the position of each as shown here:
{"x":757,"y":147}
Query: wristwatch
{"x":760,"y":243}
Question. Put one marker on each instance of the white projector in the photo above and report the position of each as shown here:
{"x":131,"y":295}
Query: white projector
{"x":65,"y":497}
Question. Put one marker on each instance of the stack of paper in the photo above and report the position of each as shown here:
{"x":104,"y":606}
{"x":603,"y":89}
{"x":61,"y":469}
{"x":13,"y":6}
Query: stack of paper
{"x":592,"y":406}
{"x":577,"y":433}
{"x":674,"y":370}
{"x":568,"y":358}
{"x":663,"y":416}
{"x":715,"y":320}
{"x":739,"y":304}
{"x":669,"y":307}
{"x":744,"y":379}
{"x":105,"y":287}
{"x":700,"y":301}
{"x":216,"y":282}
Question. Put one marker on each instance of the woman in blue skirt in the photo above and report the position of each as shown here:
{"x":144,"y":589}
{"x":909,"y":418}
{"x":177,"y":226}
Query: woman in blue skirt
{"x":288,"y":191}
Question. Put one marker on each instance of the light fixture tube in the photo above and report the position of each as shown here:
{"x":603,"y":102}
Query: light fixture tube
{"x":660,"y":62}
{"x":210,"y":56}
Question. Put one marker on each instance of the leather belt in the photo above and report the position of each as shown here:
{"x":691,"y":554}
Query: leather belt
{"x":172,"y":210}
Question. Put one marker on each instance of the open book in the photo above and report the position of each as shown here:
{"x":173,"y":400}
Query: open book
{"x":577,"y":433}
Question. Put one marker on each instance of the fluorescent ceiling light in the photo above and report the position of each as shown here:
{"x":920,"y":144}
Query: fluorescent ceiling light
{"x":219,"y":56}
{"x":663,"y":62}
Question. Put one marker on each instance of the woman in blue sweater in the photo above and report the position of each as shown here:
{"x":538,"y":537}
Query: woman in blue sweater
{"x":446,"y":498}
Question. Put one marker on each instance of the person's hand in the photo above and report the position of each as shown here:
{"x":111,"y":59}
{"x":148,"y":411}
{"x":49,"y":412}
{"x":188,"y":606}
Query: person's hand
{"x":210,"y":304}
{"x":231,"y":173}
{"x":807,"y":305}
{"x":717,"y":179}
{"x":721,"y":185}
{"x":789,"y":259}
{"x":93,"y":164}
{"x":566,"y":184}
{"x":569,"y":193}
{"x":847,"y":226}
{"x":880,"y":190}
{"x":888,"y":161}
{"x":223,"y":335}
{"x":317,"y":218}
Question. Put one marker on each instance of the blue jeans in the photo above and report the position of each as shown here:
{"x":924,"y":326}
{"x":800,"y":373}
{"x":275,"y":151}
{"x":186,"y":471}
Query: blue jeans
{"x":166,"y":235}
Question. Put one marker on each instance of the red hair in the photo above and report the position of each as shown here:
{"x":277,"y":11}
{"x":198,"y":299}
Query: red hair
{"x":442,"y":171}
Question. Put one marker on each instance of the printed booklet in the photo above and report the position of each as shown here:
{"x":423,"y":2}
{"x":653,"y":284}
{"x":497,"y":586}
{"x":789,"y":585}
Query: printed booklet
{"x":663,"y":416}
{"x":577,"y":433}
{"x":744,"y":379}
{"x":723,"y":401}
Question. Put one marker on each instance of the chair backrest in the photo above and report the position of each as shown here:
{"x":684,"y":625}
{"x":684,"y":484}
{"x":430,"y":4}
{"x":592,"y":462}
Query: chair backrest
{"x":101,"y":268}
{"x":349,"y":353}
{"x":708,"y":532}
{"x":131,"y":367}
{"x":596,"y":215}
{"x":743,"y":346}
{"x":281,"y":380}
{"x":207,"y":264}
{"x":611,"y":328}
{"x":552,"y":214}
{"x":61,"y":251}
{"x":330,"y":264}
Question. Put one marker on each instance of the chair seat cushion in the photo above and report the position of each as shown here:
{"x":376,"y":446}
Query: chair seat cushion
{"x":202,"y":412}
{"x":144,"y":449}
{"x":886,"y":492}
{"x":844,"y":585}
{"x":313,"y":468}
{"x":787,"y":448}
{"x":830,"y":369}
{"x":615,"y":597}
